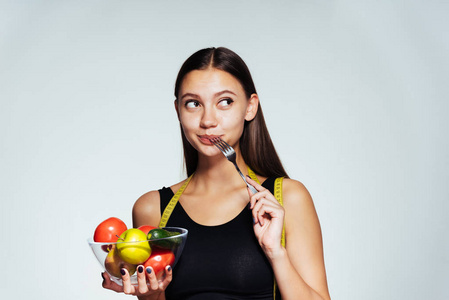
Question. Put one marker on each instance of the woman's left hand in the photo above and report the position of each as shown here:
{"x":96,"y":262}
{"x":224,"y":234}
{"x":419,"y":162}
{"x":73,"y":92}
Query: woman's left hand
{"x":268,"y":216}
{"x":149,"y":286}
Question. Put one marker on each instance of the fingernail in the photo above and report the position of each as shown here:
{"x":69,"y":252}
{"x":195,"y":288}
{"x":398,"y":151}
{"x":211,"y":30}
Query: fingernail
{"x":123,"y":271}
{"x":149,"y":270}
{"x":169,"y":268}
{"x":140,"y":269}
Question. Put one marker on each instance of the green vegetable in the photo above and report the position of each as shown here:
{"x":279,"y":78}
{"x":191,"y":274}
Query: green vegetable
{"x":161,"y":238}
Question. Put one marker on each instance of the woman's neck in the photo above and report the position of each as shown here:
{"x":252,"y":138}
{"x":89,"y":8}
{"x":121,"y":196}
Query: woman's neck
{"x":213,"y":172}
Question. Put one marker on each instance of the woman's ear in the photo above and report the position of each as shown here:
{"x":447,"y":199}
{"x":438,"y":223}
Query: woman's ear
{"x":176,"y":108}
{"x":251,"y":109}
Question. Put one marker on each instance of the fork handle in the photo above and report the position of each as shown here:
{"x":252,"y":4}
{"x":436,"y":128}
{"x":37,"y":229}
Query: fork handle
{"x":251,"y":188}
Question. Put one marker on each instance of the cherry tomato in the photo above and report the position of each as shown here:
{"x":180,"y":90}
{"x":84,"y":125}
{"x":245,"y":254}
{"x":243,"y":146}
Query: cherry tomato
{"x":159,"y":259}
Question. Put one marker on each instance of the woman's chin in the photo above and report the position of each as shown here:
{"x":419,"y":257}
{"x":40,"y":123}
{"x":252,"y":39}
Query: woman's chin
{"x":210,"y":151}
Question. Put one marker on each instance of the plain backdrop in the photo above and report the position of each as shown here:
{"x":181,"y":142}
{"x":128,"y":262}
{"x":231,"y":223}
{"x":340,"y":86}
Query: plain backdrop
{"x":355,"y":96}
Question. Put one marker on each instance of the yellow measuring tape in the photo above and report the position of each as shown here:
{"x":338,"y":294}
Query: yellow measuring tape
{"x":174,"y":200}
{"x":278,"y":196}
{"x":171,"y":205}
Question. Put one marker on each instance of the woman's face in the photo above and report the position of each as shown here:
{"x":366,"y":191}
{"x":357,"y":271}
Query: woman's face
{"x":212,"y":103}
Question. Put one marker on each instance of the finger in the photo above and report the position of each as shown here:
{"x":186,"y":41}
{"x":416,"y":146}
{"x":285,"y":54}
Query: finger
{"x":263,"y":194}
{"x":142,"y":286}
{"x":264,"y":214}
{"x":273,"y":213}
{"x":109,"y":284}
{"x":265,"y":208}
{"x":128,"y":288}
{"x":254,"y":198}
{"x":168,"y":277}
{"x":105,"y":281}
{"x":152,"y":279}
{"x":264,"y":202}
{"x":254,"y":183}
{"x":257,"y":217}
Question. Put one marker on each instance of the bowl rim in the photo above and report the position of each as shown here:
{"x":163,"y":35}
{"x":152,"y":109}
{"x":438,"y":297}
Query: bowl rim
{"x":183,"y":234}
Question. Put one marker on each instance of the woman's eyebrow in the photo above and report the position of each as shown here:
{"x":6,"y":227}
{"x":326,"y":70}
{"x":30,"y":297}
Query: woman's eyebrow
{"x":224,"y":92}
{"x":192,"y":95}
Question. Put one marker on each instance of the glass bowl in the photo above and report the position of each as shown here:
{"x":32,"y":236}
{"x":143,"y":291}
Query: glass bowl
{"x":164,"y":251}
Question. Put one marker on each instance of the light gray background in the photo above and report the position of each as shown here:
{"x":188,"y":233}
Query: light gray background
{"x":355,"y":95}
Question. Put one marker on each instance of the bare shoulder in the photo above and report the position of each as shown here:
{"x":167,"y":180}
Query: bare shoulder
{"x":146,"y":209}
{"x":300,"y":213}
{"x":295,"y":193}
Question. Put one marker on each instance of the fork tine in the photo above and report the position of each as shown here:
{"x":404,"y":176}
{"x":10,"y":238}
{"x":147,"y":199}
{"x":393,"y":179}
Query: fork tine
{"x":223,"y":146}
{"x":220,"y":146}
{"x":226,"y":146}
{"x":217,"y":143}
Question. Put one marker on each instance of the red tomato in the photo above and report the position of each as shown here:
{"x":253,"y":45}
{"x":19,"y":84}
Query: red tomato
{"x":108,"y":231}
{"x":159,"y":259}
{"x":146,"y":228}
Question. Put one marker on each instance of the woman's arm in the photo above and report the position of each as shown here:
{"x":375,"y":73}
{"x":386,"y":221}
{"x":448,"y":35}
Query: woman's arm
{"x":147,"y":210}
{"x":302,"y":264}
{"x":299,"y":268}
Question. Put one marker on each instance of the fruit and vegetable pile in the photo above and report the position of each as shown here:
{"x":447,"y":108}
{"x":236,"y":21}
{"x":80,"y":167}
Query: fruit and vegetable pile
{"x":147,"y":245}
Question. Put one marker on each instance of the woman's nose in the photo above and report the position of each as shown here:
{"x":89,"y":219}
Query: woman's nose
{"x":209,"y":118}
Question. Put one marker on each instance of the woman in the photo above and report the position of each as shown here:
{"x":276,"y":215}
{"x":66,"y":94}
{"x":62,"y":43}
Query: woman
{"x":234,"y":248}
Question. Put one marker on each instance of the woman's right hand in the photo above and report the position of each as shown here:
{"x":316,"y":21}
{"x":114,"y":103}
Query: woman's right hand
{"x":148,"y":285}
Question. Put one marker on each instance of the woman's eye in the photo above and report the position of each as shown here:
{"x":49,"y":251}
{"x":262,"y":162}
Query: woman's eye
{"x":225,"y":102}
{"x":192,"y":104}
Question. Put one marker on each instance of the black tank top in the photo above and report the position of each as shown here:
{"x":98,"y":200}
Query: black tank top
{"x":219,"y":262}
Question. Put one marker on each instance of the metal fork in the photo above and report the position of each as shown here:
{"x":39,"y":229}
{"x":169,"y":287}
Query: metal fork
{"x":229,"y":152}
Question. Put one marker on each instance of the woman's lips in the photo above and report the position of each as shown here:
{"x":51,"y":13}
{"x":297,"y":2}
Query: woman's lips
{"x":206,"y":139}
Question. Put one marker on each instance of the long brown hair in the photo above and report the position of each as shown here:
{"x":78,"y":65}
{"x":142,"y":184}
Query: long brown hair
{"x":256,"y":146}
